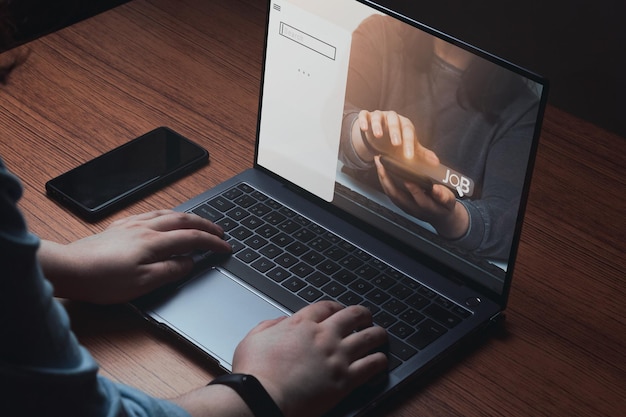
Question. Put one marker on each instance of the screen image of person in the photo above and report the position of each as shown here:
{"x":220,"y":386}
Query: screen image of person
{"x":438,"y":105}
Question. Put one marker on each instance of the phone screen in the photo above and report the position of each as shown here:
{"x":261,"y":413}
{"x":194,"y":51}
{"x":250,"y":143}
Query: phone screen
{"x":103,"y":184}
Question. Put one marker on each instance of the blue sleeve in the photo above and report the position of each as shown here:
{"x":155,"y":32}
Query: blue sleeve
{"x":43,"y":369}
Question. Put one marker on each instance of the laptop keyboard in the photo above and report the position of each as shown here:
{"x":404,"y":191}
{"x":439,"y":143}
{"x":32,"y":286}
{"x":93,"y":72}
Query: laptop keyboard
{"x":306,"y":263}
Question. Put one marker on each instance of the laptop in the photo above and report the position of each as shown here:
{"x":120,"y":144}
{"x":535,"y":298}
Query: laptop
{"x":313,"y":220}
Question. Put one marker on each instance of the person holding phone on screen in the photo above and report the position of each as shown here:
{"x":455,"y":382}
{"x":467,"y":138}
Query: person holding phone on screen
{"x":437,"y":104}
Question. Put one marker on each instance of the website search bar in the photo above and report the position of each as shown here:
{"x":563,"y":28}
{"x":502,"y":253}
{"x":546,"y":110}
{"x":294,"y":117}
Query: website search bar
{"x":308,"y":41}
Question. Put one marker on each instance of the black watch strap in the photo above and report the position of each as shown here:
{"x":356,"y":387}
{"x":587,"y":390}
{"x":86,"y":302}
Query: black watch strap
{"x":252,"y":393}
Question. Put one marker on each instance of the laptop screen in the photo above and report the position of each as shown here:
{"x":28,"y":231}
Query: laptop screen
{"x":424,"y":138}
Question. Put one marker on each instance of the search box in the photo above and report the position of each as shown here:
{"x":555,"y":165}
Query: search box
{"x":308,"y":41}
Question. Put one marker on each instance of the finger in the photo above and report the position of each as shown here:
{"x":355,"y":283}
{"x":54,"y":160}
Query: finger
{"x":425,"y":155}
{"x":266,"y":324}
{"x":394,"y":127}
{"x":349,"y":320}
{"x":319,"y":311}
{"x":376,"y":123}
{"x":443,"y":196}
{"x":409,"y":140}
{"x":385,"y":181}
{"x":168,"y":270}
{"x":364,"y":120}
{"x":176,"y":220}
{"x":361,"y":343}
{"x":365,"y":368}
{"x":182,"y":241}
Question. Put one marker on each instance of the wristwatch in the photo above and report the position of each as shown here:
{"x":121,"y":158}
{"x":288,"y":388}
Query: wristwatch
{"x":252,"y":393}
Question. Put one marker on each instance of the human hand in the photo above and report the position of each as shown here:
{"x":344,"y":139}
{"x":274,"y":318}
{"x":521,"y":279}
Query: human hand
{"x":308,"y":362}
{"x":133,"y":256}
{"x":386,"y":128}
{"x":439,"y":206}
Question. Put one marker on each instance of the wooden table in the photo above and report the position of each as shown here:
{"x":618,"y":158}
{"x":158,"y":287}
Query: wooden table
{"x":194,"y":65}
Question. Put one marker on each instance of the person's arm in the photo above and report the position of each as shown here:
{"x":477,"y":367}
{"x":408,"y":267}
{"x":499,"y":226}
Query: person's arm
{"x":131,"y":257}
{"x":44,"y":371}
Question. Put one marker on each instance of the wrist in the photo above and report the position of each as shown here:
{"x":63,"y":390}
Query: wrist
{"x":252,"y":393}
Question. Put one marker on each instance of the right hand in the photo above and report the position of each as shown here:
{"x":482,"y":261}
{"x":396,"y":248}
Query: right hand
{"x":390,"y":127}
{"x":308,"y":362}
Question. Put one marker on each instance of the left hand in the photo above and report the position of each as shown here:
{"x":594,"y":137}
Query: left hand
{"x":438,"y":207}
{"x":132,"y":257}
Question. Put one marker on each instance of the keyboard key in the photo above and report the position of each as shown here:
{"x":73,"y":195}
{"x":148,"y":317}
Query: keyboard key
{"x":286,"y":260}
{"x":263,"y":265}
{"x":278,"y":274}
{"x":328,"y":267}
{"x":271,"y":251}
{"x":401,"y":329}
{"x":274,"y":218}
{"x":425,"y":333}
{"x":301,"y":269}
{"x":361,"y":286}
{"x":297,"y":248}
{"x":310,"y":294}
{"x":221,"y":204}
{"x":260,"y":209}
{"x":237,"y":213}
{"x":350,"y":299}
{"x":289,"y":226}
{"x":304,"y":235}
{"x":394,"y":306}
{"x":255,"y":242}
{"x":377,"y":296}
{"x":312,"y":257}
{"x":252,"y":222}
{"x":400,"y":349}
{"x":366,"y":271}
{"x":384,"y":319}
{"x":207,"y":212}
{"x":417,"y":301}
{"x":400,"y":291}
{"x":320,"y":244}
{"x":226,"y":224}
{"x":442,"y":315}
{"x":333,"y":289}
{"x":412,"y":316}
{"x":344,"y":276}
{"x":233,"y":193}
{"x":245,"y":201}
{"x":293,"y":284}
{"x":267,"y":231}
{"x":282,"y":239}
{"x":247,"y":255}
{"x":383,"y":281}
{"x":317,"y":278}
{"x":351,"y":263}
{"x":335,"y":253}
{"x":241,"y":233}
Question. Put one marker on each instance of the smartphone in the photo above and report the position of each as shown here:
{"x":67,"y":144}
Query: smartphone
{"x":392,"y":159}
{"x":113,"y":180}
{"x":407,"y":172}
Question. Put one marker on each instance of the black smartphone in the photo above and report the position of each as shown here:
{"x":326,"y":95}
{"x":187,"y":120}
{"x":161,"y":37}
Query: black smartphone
{"x":105,"y":184}
{"x":393,"y":161}
{"x":406,"y":172}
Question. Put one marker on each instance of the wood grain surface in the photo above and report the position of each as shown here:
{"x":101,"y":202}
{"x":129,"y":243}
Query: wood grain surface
{"x":195,"y":65}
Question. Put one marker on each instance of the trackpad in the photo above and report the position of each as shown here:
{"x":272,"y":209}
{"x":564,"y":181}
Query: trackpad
{"x":214,"y":312}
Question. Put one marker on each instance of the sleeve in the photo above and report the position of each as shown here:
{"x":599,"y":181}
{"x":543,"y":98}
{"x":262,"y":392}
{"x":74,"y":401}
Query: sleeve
{"x":493,"y":216}
{"x":364,"y":83}
{"x":43,"y":369}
